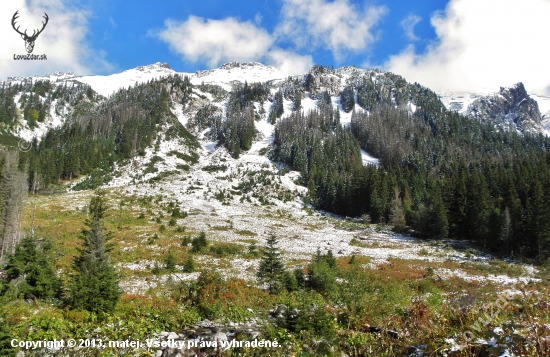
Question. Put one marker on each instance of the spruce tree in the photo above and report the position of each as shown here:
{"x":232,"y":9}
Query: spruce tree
{"x":6,"y":335}
{"x":30,"y":264}
{"x":94,"y":286}
{"x":170,"y":262}
{"x":271,"y":268}
{"x":189,"y":266}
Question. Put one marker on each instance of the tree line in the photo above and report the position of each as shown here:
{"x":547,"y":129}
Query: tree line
{"x":441,"y":174}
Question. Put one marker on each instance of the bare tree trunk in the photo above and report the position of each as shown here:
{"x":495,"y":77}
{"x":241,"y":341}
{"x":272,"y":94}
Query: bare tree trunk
{"x":13,"y":189}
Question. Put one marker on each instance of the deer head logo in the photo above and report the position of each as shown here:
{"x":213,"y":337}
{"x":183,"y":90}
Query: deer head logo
{"x":29,"y":40}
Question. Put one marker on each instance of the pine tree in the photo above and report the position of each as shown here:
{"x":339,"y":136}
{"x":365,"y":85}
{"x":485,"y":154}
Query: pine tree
{"x":94,"y":286}
{"x":271,"y":268}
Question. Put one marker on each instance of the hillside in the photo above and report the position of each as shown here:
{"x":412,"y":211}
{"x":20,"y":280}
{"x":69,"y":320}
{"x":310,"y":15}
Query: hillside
{"x":400,"y":222}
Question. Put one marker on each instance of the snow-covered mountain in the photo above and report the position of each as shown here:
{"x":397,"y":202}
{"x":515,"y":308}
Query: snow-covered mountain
{"x":509,"y":106}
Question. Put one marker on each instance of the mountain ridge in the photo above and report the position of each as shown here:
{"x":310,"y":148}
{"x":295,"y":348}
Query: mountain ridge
{"x":258,"y":72}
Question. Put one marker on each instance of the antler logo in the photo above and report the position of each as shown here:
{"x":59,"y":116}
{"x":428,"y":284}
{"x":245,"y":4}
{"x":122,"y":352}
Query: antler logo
{"x":29,"y":40}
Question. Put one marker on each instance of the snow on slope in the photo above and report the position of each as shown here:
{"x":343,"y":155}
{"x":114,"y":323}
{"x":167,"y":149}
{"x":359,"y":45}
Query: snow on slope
{"x":52,"y":77}
{"x":241,"y":72}
{"x":223,"y":76}
{"x":458,"y":102}
{"x":55,"y":121}
{"x":544,"y":105}
{"x":107,"y":85}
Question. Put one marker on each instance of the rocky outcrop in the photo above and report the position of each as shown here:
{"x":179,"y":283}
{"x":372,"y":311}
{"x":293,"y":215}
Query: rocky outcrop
{"x":318,"y":80}
{"x":510,"y":106}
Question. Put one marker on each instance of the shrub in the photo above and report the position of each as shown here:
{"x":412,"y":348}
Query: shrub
{"x":180,"y":229}
{"x":170,"y":262}
{"x":156,"y":269}
{"x":189,"y":266}
{"x":199,"y":243}
{"x":225,"y":249}
{"x":289,"y":281}
{"x":322,"y":277}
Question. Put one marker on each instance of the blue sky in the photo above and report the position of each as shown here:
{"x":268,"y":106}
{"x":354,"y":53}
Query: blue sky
{"x":448,"y":45}
{"x":121,"y":29}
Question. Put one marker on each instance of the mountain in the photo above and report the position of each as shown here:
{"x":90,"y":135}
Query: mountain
{"x":510,"y":106}
{"x":152,"y":125}
{"x":372,"y":187}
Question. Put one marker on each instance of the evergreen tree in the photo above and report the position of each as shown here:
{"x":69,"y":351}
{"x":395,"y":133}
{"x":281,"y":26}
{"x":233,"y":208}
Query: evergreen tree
{"x":506,"y":231}
{"x":397,"y":215}
{"x":199,"y":243}
{"x":297,"y":101}
{"x":271,"y":268}
{"x":347,"y":99}
{"x":170,"y":262}
{"x":5,"y":337}
{"x":189,"y":266}
{"x":29,"y":265}
{"x":94,"y":286}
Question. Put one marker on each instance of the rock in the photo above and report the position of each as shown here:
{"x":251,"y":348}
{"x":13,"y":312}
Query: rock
{"x":393,"y":333}
{"x":510,"y":105}
{"x":220,"y":338}
{"x":171,"y":352}
{"x":172,"y":336}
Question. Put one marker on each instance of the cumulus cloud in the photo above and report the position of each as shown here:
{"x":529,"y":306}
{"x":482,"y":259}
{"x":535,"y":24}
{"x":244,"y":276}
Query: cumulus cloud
{"x":338,"y":26}
{"x":289,"y":62}
{"x":408,"y":24}
{"x":218,"y":41}
{"x":481,"y":46}
{"x":215,"y":41}
{"x":63,"y":39}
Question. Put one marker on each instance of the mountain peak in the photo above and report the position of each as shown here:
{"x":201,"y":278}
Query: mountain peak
{"x":511,"y":105}
{"x":234,"y":64}
{"x":155,"y":66}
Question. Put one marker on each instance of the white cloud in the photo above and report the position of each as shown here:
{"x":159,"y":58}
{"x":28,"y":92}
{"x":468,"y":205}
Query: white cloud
{"x":483,"y":45}
{"x":258,"y":18}
{"x":63,"y":39}
{"x":408,"y":24}
{"x":215,"y":41}
{"x":289,"y":62}
{"x":338,"y":26}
